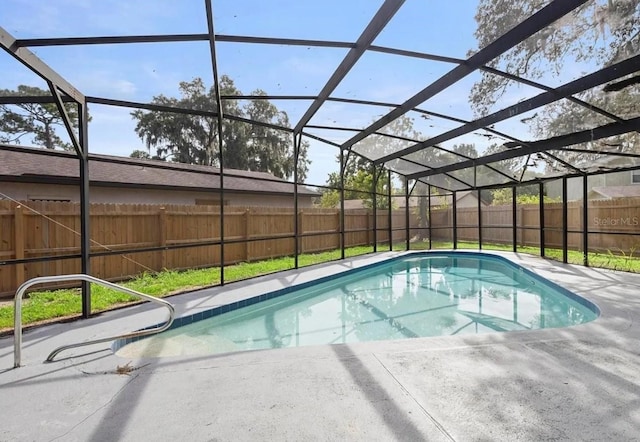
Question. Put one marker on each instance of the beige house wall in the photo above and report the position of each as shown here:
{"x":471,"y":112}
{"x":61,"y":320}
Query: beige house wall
{"x":468,"y":200}
{"x":111,"y":195}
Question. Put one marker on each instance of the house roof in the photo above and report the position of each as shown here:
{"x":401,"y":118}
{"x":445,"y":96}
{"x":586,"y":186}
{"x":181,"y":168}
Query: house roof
{"x":39,"y":165}
{"x":353,"y":204}
{"x":617,"y":191}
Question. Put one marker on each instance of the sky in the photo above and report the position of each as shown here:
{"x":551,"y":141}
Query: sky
{"x":139,"y":72}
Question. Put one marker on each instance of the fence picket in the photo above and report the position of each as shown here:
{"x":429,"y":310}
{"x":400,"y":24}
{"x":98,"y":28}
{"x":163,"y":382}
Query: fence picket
{"x":39,"y":228}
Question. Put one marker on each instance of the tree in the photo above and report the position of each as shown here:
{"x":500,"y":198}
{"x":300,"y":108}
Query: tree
{"x":330,"y":199}
{"x":604,"y":31}
{"x":564,"y":117}
{"x":512,"y":166}
{"x":524,"y":195}
{"x":458,"y":153}
{"x":270,"y":149}
{"x":193,"y":139}
{"x":601,"y":32}
{"x":439,"y":157}
{"x":144,"y":155}
{"x":358,"y":176}
{"x":358,"y":186}
{"x":38,"y":119}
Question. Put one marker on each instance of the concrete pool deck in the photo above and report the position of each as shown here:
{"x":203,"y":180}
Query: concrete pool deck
{"x":577,"y":383}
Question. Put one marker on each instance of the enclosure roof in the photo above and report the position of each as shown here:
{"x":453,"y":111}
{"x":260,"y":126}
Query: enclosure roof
{"x":462,"y":95}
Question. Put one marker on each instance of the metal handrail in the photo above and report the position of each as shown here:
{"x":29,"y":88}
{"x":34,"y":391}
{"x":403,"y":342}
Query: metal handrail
{"x":17,"y":322}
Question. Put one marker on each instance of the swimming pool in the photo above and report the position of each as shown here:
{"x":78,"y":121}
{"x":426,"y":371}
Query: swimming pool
{"x":415,"y":295}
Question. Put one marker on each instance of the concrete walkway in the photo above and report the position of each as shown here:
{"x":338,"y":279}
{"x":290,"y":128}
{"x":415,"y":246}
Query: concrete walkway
{"x":580,"y":383}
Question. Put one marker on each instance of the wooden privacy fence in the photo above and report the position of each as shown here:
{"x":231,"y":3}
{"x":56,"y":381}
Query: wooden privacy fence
{"x":49,"y":229}
{"x":43,"y":229}
{"x":613,"y":225}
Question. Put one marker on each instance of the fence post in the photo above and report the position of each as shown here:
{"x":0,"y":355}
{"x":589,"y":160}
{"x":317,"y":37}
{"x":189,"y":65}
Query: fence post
{"x":521,"y":228}
{"x":247,"y":232}
{"x":299,"y":238}
{"x":162,"y":223}
{"x":339,"y":229}
{"x":18,"y":229}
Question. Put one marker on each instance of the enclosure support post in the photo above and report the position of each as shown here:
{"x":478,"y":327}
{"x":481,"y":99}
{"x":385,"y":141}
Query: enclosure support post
{"x":81,"y":147}
{"x":429,"y":214}
{"x":454,"y":218}
{"x":406,"y":214}
{"x":374,"y":195}
{"x":216,"y":86}
{"x":479,"y":219}
{"x":85,"y":205}
{"x":514,"y":210}
{"x":541,"y":216}
{"x":342,"y":236}
{"x":585,"y":221}
{"x":565,"y":218}
{"x":221,"y":219}
{"x":389,"y":210}
{"x":297,"y":139}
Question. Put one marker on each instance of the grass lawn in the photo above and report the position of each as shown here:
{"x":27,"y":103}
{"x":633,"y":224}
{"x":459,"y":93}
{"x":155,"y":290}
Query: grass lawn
{"x":57,"y":304}
{"x":54,"y":305}
{"x":622,"y":261}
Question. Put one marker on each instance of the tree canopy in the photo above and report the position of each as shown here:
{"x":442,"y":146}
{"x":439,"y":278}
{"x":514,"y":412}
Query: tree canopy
{"x":358,"y":185}
{"x":358,"y":174}
{"x":193,"y":139}
{"x":39,"y":120}
{"x":596,"y":34}
{"x":601,"y":31}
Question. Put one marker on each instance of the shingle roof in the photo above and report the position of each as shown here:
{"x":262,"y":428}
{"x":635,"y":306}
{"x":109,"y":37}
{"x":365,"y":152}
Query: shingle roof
{"x":29,"y":163}
{"x":618,"y":191}
{"x":353,"y":204}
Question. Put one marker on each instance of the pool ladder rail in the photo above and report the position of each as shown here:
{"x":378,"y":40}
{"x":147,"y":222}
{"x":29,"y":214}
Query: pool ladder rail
{"x":17,"y":331}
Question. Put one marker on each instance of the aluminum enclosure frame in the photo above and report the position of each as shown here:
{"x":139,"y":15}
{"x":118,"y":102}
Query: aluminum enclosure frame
{"x":63,"y":92}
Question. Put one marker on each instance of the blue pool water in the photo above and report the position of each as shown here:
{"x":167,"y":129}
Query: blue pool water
{"x":419,"y":295}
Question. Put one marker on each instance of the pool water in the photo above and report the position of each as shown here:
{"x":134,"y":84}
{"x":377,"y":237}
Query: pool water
{"x":413,"y":296}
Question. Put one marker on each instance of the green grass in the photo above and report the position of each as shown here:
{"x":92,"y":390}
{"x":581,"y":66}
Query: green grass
{"x":58,"y":304}
{"x":625,"y":261}
{"x":64,"y":303}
